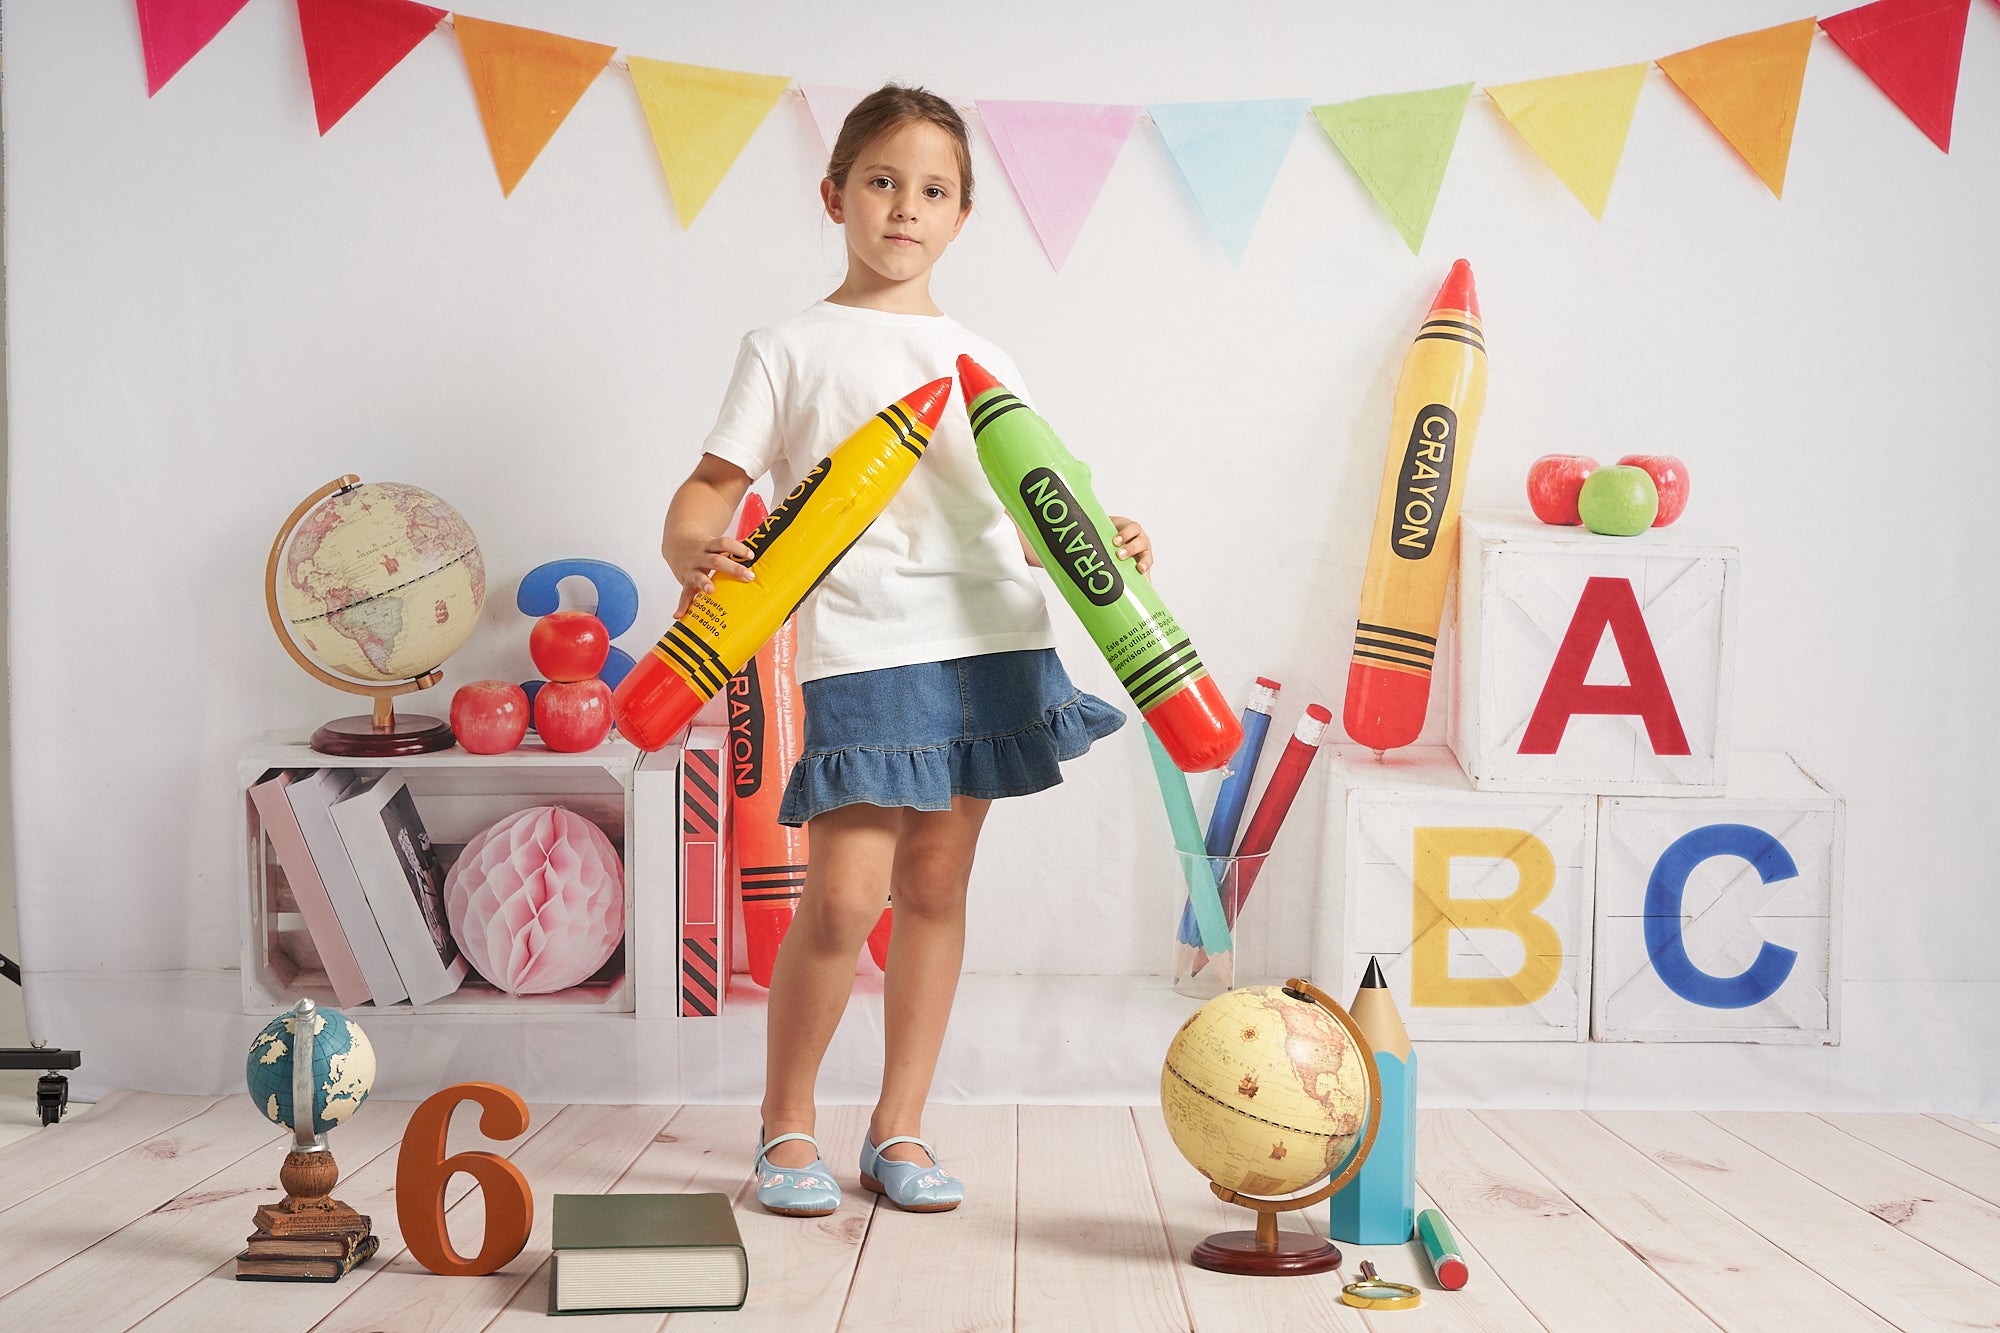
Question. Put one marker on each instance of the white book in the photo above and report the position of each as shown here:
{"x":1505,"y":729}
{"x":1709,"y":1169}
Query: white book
{"x":312,"y":799}
{"x":405,"y":885}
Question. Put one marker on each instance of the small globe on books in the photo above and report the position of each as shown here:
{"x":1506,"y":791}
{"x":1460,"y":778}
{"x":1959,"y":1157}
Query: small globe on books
{"x":370,"y":586}
{"x":343,"y":1068}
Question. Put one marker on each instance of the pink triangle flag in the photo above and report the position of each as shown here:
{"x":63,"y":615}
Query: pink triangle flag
{"x":1057,"y":156}
{"x":1911,"y":49}
{"x":174,"y":31}
{"x":829,"y":106}
{"x":351,"y":44}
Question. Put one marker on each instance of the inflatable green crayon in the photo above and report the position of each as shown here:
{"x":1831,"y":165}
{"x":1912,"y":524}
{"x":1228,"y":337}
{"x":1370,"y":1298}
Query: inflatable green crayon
{"x":1048,"y":492}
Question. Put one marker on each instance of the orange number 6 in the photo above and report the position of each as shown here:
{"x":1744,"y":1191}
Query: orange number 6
{"x":423,"y":1171}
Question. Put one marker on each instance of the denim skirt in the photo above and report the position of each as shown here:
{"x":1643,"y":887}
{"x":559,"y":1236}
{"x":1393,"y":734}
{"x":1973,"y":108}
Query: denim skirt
{"x":995,"y":725}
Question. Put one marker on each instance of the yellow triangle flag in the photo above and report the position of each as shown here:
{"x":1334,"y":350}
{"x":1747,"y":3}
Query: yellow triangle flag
{"x":1577,"y":124}
{"x":526,"y":82}
{"x":701,"y":118}
{"x":1748,"y":87}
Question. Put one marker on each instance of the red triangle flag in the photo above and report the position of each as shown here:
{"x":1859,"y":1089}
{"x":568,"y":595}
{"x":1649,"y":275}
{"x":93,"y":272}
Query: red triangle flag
{"x":351,"y":44}
{"x":173,"y":31}
{"x":1911,"y":48}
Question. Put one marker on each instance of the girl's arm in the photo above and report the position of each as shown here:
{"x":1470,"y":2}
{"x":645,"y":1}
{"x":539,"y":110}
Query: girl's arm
{"x":1133,"y":544}
{"x":696,"y":542}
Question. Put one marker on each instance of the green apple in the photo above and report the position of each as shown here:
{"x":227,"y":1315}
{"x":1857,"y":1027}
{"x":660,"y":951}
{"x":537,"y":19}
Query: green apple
{"x":1618,"y":501}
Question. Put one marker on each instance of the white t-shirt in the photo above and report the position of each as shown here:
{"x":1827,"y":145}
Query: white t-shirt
{"x":940,"y":573}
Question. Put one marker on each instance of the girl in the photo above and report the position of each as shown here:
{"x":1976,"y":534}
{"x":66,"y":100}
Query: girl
{"x":931,"y":686}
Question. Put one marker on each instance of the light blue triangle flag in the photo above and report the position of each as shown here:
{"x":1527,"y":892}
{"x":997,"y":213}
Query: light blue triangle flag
{"x":1229,"y":154}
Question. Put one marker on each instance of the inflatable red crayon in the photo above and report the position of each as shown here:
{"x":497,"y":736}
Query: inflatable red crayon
{"x":825,"y":514}
{"x":1438,"y":400}
{"x":1048,"y":493}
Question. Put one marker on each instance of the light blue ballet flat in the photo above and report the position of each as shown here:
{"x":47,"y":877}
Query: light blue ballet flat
{"x":795,"y":1191}
{"x":911,"y":1186}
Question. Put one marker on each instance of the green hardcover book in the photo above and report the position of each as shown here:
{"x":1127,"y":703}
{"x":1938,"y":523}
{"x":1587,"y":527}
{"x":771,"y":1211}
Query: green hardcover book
{"x":636,"y":1253}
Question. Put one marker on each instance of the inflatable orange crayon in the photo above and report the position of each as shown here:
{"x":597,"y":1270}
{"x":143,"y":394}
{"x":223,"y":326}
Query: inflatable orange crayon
{"x":767,"y":860}
{"x":1438,"y":400}
{"x":1048,"y":493}
{"x":790,"y":553}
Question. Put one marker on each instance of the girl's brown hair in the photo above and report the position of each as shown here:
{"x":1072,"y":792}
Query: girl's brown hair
{"x":891,"y":107}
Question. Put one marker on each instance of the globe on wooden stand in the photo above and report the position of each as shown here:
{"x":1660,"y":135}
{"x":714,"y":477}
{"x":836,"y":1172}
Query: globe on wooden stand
{"x":1261,"y":1088}
{"x":380,"y":582}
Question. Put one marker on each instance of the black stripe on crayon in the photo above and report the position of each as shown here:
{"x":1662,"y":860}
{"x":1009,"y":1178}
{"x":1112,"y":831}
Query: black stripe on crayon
{"x":752,"y":899}
{"x":991,"y":417}
{"x":1472,"y":329}
{"x":1424,"y":653}
{"x":903,"y":433}
{"x":1138,"y":675}
{"x":700,"y":673}
{"x":789,"y":869}
{"x":1163,"y":674}
{"x":1395,"y":661}
{"x":1396,"y":633}
{"x":1452,"y":337}
{"x":698,"y":647}
{"x":992,"y":405}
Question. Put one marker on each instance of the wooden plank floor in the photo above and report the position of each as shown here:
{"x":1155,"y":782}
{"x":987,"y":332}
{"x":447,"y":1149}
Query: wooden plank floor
{"x":1080,"y":1218}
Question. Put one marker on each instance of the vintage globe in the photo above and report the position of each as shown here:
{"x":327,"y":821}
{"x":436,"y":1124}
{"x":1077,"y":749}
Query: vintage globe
{"x":1264,"y":1092}
{"x":343,"y":1068}
{"x":381,"y":582}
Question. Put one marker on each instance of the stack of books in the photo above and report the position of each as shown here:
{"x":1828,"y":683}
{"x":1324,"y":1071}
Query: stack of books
{"x":631,"y":1253}
{"x":308,"y":1258}
{"x":367,"y":881}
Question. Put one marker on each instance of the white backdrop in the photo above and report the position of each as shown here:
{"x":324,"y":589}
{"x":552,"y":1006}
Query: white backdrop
{"x":211,"y":311}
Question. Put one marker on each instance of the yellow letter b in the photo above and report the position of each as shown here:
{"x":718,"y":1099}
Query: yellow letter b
{"x":1436,"y":914}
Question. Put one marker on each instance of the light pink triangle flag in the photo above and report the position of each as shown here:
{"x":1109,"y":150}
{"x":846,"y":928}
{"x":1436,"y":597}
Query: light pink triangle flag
{"x":829,"y":105}
{"x":1057,"y":156}
{"x":174,"y":31}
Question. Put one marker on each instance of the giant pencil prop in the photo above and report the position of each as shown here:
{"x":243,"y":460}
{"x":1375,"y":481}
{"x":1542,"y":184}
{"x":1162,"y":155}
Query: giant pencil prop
{"x":1438,"y":399}
{"x":1048,"y":492}
{"x":791,"y":552}
{"x":1379,"y":1205}
{"x":767,"y":860}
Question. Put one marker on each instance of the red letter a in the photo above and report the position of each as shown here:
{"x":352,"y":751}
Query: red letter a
{"x":1605,"y":602}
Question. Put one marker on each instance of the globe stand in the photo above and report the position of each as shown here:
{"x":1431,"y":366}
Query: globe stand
{"x":381,"y":733}
{"x":308,"y":1175}
{"x":1266,"y":1251}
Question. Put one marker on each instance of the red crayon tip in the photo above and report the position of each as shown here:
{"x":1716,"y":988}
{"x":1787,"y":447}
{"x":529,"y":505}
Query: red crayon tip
{"x":1385,"y":708}
{"x":1195,"y":727}
{"x":1458,"y":292}
{"x":927,"y":404}
{"x":975,"y":378}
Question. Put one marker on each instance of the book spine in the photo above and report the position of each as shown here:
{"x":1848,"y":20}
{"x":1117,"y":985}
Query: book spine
{"x":281,"y":827}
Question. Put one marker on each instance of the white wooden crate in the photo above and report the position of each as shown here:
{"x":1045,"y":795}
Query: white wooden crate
{"x":1728,"y":914}
{"x":1522,"y":584}
{"x":1419,"y":867}
{"x":458,"y":794}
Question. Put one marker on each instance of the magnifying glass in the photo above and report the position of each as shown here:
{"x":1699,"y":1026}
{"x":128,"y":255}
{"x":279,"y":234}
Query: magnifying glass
{"x":1374,"y":1292}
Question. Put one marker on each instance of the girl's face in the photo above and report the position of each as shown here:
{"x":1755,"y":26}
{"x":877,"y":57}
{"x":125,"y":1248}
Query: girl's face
{"x":902,"y":204}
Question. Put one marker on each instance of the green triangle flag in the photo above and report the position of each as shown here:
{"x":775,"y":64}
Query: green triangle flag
{"x":1399,"y":145}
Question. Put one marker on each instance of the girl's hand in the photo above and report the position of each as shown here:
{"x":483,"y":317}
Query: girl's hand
{"x":1133,"y":543}
{"x":697,"y":568}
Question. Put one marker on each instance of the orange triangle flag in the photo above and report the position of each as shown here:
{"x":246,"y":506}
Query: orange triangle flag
{"x":1748,"y":87}
{"x":526,"y":82}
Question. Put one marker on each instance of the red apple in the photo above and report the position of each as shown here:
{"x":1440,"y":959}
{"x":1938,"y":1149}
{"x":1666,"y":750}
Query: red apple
{"x":573,"y":715}
{"x":1670,"y":479}
{"x":1554,"y":481}
{"x":489,"y":716}
{"x":568,"y":646}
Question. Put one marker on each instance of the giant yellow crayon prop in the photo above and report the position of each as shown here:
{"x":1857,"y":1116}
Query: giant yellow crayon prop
{"x":1438,"y":399}
{"x":791,"y":551}
{"x":1048,"y":492}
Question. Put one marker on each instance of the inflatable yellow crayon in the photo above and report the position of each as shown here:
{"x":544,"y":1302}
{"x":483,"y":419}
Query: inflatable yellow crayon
{"x":791,"y":551}
{"x":1439,"y":396}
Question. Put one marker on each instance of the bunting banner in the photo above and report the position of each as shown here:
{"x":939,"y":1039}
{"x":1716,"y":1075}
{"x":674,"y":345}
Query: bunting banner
{"x":174,"y":31}
{"x":1229,"y":154}
{"x":1912,"y":50}
{"x":1748,"y":87}
{"x":701,"y":119}
{"x":1057,"y":156}
{"x":526,"y":83}
{"x":829,"y":107}
{"x":1399,"y":145}
{"x":351,"y":44}
{"x":1577,"y":124}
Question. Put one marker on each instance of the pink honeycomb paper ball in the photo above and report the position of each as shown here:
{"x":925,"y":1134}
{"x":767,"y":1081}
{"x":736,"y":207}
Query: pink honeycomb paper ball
{"x":537,"y":900}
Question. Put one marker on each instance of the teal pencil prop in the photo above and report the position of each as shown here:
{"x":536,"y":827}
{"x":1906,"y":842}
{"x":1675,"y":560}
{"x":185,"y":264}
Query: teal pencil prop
{"x":1379,"y":1205}
{"x":1442,"y":1248}
{"x":1202,"y":890}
